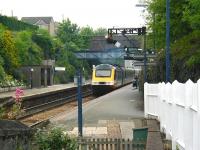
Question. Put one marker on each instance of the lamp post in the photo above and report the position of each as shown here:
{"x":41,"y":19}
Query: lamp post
{"x":80,"y":114}
{"x":167,"y":41}
{"x":31,"y":77}
{"x":145,"y":57}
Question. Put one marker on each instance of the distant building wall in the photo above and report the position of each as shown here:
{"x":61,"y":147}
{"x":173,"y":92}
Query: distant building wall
{"x":52,"y":28}
{"x":46,"y":23}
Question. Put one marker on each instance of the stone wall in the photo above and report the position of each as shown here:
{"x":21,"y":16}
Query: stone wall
{"x":14,"y":135}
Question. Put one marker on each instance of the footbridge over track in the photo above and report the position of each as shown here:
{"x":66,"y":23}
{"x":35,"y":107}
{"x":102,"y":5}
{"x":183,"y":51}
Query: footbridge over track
{"x":113,"y":54}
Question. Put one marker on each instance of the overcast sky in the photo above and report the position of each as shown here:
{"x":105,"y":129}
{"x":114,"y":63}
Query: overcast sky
{"x":95,"y":13}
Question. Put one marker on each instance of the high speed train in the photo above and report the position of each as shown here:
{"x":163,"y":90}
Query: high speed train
{"x":106,"y":77}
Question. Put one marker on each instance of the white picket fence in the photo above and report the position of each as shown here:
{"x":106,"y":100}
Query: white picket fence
{"x":177,"y":107}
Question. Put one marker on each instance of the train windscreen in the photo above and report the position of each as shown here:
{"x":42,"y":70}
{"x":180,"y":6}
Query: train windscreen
{"x":103,"y":71}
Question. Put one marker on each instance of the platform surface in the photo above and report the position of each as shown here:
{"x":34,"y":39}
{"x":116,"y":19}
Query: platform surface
{"x":34,"y":91}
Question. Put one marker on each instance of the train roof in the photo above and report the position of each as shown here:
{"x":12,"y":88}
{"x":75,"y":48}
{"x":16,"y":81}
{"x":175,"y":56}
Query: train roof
{"x":104,"y":66}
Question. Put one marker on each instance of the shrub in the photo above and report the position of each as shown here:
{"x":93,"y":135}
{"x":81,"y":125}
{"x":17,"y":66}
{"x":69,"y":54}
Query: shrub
{"x":2,"y":112}
{"x":55,"y":139}
{"x":16,"y":108}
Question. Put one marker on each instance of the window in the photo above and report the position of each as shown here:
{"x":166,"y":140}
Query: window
{"x":103,"y":73}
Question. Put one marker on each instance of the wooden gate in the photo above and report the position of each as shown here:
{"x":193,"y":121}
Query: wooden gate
{"x":110,"y":144}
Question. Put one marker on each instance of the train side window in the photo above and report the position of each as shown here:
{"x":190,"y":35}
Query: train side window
{"x":115,"y":76}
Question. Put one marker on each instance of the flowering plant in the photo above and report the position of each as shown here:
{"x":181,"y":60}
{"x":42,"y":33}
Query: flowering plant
{"x":16,"y":108}
{"x":18,"y":93}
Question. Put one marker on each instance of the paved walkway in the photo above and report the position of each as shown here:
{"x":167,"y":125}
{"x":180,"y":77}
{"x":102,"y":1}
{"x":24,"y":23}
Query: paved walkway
{"x":118,"y":112}
{"x":109,"y":129}
{"x":154,"y":141}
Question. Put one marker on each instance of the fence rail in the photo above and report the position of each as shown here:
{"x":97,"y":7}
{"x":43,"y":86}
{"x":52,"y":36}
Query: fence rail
{"x":177,"y":107}
{"x":110,"y":144}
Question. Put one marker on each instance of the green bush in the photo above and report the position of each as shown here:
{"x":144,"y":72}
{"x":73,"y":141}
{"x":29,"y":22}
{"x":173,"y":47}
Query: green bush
{"x":55,"y":139}
{"x":16,"y":25}
{"x":2,"y":112}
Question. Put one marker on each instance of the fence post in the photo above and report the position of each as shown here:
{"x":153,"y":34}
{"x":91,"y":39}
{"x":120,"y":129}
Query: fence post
{"x":189,"y":114}
{"x":146,"y":101}
{"x":197,"y":131}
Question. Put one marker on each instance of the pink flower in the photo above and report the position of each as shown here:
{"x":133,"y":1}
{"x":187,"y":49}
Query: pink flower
{"x":18,"y":93}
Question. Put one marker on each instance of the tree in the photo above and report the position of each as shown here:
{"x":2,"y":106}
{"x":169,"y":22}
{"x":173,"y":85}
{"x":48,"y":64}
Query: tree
{"x":100,"y":32}
{"x":86,"y":34}
{"x":192,"y":14}
{"x":68,"y":34}
{"x":29,"y":52}
{"x":184,"y":38}
{"x":44,"y":41}
{"x":9,"y":52}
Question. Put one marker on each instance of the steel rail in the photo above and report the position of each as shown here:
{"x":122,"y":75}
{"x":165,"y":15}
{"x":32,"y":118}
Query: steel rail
{"x":55,"y":103}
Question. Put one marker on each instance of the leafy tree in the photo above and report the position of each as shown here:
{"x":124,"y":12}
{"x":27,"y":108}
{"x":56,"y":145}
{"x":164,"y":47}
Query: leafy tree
{"x":184,"y":38}
{"x":9,"y":52}
{"x":192,"y":14}
{"x":86,"y":34}
{"x":68,"y":31}
{"x":2,"y":72}
{"x":29,"y":52}
{"x":44,"y":41}
{"x":100,"y":32}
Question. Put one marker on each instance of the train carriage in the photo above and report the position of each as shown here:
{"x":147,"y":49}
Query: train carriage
{"x":106,"y":77}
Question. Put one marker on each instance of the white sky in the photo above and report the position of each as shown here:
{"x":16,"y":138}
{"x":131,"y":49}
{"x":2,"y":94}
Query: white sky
{"x":95,"y":13}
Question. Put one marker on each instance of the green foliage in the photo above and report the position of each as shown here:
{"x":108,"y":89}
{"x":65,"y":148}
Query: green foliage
{"x":186,"y":57}
{"x":55,"y":139}
{"x":192,"y":14}
{"x":21,"y":44}
{"x":44,"y":41}
{"x":8,"y":51}
{"x":86,"y":34}
{"x":184,"y":38}
{"x":14,"y":24}
{"x":100,"y":32}
{"x":29,"y":52}
{"x":2,"y":112}
{"x":15,"y":111}
{"x":2,"y":71}
{"x":68,"y":31}
{"x":8,"y":81}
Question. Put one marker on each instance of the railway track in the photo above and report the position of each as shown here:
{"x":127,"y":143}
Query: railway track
{"x":38,"y":115}
{"x":40,"y":104}
{"x":51,"y":104}
{"x":41,"y":119}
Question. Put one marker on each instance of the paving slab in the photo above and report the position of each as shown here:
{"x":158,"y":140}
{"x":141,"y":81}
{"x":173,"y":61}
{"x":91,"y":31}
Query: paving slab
{"x":127,"y":129}
{"x":154,"y":140}
{"x":113,"y":128}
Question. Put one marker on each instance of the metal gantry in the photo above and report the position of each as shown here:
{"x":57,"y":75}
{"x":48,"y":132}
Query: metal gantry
{"x":131,"y":31}
{"x":127,"y":31}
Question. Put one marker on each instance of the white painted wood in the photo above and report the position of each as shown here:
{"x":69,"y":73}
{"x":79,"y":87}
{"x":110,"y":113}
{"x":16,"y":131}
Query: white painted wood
{"x":177,"y":106}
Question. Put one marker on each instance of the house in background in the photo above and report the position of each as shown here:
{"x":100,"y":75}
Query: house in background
{"x":46,"y":23}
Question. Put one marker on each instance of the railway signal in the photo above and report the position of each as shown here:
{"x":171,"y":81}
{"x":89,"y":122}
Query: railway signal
{"x":110,"y":40}
{"x":130,"y":31}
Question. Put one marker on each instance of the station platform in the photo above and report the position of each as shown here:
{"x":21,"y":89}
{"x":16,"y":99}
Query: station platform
{"x":36,"y":91}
